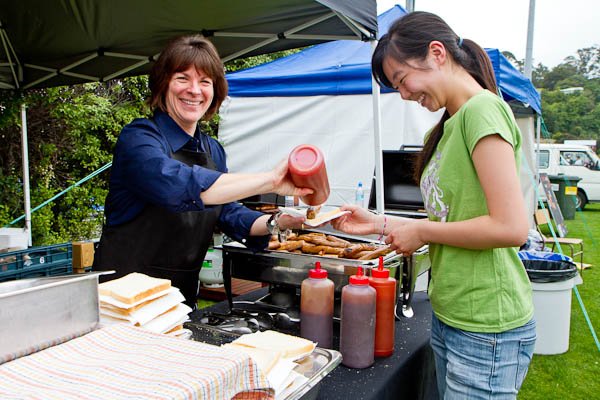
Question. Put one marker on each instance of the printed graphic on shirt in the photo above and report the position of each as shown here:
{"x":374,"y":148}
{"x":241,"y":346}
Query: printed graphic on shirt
{"x":433,"y":195}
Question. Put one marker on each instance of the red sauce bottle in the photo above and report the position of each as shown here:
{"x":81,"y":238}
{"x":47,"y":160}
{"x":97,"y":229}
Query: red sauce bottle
{"x":316,"y":308}
{"x":386,"y":300}
{"x":306,"y":165}
{"x":357,"y":331}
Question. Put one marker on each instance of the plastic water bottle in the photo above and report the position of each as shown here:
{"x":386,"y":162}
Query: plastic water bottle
{"x":359,"y":195}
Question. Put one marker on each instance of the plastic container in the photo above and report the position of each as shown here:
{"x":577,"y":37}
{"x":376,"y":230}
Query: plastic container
{"x":566,"y":194}
{"x":359,"y":195}
{"x":306,"y":165}
{"x":36,"y":262}
{"x":357,"y":332}
{"x":551,"y":284}
{"x":386,"y":300}
{"x":211,"y":273}
{"x":316,"y":308}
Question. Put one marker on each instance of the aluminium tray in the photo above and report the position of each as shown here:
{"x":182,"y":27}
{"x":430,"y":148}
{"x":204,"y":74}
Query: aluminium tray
{"x":41,"y":312}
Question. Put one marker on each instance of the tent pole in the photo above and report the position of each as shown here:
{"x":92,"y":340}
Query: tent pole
{"x":25,"y":157}
{"x":377,"y":140}
{"x":528,"y":68}
{"x":538,"y":130}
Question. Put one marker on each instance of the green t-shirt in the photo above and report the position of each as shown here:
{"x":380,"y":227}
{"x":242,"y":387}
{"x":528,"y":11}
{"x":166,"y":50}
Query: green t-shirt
{"x":473,"y":290}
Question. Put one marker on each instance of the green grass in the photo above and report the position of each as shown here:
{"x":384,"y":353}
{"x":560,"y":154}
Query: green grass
{"x":576,"y":373}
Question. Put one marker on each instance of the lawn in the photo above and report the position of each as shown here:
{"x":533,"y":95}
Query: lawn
{"x":576,"y":373}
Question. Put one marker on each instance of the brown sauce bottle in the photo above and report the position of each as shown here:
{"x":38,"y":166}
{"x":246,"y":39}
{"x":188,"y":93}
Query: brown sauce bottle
{"x":357,"y":332}
{"x":316,"y":308}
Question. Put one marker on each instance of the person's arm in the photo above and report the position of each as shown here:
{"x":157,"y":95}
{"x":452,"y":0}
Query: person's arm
{"x":504,"y":226}
{"x":231,"y":187}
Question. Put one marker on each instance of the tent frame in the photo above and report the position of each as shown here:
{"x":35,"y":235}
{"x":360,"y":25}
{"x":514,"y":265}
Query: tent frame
{"x":360,"y":33}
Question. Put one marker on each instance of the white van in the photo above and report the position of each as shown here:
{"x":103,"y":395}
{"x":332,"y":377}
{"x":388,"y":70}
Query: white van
{"x":573,"y":160}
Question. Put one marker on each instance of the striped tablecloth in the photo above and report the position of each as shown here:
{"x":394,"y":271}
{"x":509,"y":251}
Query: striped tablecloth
{"x":125,"y":362}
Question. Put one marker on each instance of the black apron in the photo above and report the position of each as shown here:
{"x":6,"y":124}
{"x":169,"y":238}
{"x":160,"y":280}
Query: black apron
{"x":161,"y":243}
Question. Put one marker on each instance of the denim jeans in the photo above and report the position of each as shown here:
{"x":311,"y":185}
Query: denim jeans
{"x":474,"y":365}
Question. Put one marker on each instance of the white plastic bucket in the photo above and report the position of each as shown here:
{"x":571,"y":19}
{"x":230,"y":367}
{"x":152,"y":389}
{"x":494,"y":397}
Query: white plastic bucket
{"x":552,"y":310}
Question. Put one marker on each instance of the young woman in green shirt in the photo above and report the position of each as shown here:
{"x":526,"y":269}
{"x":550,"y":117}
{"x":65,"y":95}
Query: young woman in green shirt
{"x":483,"y":330}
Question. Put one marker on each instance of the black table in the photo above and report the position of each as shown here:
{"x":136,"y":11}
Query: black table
{"x":409,"y":373}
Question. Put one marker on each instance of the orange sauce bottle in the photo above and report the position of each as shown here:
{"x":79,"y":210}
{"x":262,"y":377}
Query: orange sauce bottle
{"x":306,"y":165}
{"x":386,"y":300}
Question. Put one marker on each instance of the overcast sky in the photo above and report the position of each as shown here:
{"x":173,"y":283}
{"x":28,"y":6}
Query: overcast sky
{"x":560,"y":27}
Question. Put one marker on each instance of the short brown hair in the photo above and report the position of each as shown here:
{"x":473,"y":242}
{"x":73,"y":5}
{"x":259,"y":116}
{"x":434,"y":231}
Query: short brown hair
{"x":179,"y":55}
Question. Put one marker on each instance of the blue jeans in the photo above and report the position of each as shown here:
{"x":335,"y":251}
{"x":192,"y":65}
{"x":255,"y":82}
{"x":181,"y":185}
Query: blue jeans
{"x":474,"y":365}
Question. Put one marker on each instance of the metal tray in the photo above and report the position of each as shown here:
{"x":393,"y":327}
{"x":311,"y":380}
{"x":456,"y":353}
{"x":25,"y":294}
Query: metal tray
{"x":40,"y":312}
{"x":314,"y":367}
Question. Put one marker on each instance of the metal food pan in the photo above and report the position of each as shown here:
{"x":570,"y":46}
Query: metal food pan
{"x":39,"y":312}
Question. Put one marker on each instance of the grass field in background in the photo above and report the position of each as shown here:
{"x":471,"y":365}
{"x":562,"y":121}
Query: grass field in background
{"x":576,"y":373}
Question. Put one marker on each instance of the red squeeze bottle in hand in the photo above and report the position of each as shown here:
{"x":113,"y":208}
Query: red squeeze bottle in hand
{"x":386,"y":300}
{"x":307,"y":170}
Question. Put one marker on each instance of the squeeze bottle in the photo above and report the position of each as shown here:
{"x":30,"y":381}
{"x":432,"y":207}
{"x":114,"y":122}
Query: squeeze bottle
{"x":357,"y":332}
{"x":386,"y":300}
{"x":307,"y":169}
{"x":316,"y":308}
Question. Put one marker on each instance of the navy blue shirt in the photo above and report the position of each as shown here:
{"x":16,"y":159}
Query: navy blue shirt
{"x":143,"y":173}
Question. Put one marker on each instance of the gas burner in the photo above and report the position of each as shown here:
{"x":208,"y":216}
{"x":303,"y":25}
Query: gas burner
{"x":237,"y":321}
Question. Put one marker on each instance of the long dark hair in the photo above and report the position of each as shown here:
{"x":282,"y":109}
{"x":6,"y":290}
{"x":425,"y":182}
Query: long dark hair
{"x":179,"y":55}
{"x":408,"y":39}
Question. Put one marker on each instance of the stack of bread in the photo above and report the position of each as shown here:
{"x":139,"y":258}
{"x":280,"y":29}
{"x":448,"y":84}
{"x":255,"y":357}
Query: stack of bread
{"x":143,"y":301}
{"x":276,"y":354}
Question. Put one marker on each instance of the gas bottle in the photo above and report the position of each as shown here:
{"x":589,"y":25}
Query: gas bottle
{"x":357,"y":332}
{"x":386,"y":300}
{"x":306,"y":165}
{"x":316,"y":308}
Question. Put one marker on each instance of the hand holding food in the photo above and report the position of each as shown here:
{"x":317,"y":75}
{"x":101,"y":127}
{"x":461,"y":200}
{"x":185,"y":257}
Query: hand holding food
{"x":358,"y":222}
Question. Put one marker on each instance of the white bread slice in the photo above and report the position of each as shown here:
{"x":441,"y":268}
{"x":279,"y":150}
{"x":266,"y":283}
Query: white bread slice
{"x":290,"y":346}
{"x":265,"y":359}
{"x":133,"y":287}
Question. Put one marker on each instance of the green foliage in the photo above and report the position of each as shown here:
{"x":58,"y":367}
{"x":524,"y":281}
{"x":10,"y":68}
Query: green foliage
{"x":71,"y":133}
{"x":248,"y":62}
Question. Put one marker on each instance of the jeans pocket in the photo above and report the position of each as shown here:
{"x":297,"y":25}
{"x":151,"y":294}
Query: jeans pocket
{"x":524,"y":358}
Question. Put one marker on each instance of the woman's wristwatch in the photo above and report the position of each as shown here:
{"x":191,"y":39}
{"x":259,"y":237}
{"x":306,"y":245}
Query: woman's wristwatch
{"x":273,"y":224}
{"x":274,"y":229}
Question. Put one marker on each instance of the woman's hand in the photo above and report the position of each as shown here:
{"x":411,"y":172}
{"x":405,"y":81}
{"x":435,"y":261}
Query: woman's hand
{"x":286,"y":221}
{"x":404,"y":236}
{"x":282,"y":183}
{"x":359,"y":222}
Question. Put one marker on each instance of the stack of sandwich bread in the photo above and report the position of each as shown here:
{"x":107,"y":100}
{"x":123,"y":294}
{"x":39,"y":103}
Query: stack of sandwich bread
{"x":276,"y":354}
{"x":140,"y":300}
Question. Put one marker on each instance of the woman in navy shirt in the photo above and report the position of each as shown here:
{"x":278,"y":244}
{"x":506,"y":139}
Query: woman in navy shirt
{"x":169,"y":185}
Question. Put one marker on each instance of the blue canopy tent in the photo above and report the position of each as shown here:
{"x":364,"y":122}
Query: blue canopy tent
{"x":344,"y":67}
{"x":299,"y":100}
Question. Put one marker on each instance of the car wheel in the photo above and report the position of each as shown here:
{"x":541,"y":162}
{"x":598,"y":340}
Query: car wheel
{"x":581,"y":200}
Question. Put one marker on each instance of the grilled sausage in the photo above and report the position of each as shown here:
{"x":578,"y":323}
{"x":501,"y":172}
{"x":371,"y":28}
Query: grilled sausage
{"x":383,"y":250}
{"x":332,"y":238}
{"x":352,"y":251}
{"x":291,"y":245}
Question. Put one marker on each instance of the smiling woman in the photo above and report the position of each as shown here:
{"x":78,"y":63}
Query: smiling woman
{"x":169,"y":185}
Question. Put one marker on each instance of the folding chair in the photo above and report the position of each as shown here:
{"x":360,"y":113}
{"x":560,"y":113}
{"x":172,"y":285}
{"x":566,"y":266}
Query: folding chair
{"x":541,"y":220}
